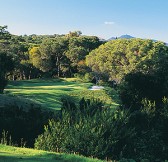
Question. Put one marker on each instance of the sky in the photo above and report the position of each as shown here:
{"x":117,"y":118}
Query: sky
{"x":103,"y":18}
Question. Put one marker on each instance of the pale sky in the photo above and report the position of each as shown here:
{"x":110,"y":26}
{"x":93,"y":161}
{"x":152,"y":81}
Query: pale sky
{"x":103,"y":18}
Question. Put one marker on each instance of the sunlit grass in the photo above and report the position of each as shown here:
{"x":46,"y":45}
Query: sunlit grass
{"x":16,"y":154}
{"x":48,"y":92}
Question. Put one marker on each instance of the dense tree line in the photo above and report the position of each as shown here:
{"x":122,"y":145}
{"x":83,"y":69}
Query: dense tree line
{"x":64,"y":55}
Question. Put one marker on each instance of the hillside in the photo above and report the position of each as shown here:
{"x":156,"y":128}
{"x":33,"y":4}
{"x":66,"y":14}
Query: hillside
{"x":126,"y":36}
{"x":13,"y":99}
{"x":16,"y":154}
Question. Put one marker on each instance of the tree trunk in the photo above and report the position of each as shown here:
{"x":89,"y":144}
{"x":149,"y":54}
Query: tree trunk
{"x":30,"y":74}
{"x":58,"y":66}
{"x":13,"y":77}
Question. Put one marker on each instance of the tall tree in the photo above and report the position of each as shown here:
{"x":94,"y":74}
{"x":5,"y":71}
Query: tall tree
{"x":4,"y":34}
{"x":6,"y":62}
{"x":6,"y":65}
{"x":4,"y":38}
{"x":79,"y":48}
{"x":50,"y":55}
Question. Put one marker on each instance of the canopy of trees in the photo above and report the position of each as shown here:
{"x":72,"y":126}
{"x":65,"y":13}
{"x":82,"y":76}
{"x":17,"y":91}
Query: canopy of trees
{"x":62,"y":56}
{"x":122,"y":56}
{"x":37,"y":56}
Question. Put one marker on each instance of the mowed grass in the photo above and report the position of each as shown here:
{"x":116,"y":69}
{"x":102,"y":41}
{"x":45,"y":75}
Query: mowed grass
{"x":16,"y":154}
{"x":48,"y":92}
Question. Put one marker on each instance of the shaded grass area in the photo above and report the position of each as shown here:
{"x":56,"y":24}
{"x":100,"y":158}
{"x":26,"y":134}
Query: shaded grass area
{"x":16,"y":154}
{"x":10,"y":100}
{"x":48,"y":92}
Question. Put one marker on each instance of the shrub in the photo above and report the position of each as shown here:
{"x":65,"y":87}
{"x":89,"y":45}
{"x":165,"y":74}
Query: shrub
{"x":88,"y":129}
{"x":108,"y":133}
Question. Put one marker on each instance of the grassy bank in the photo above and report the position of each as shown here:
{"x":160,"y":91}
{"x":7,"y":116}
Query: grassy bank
{"x":15,"y":154}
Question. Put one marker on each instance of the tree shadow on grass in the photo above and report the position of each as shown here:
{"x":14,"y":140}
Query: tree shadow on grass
{"x":27,"y":83}
{"x":43,"y":158}
{"x":48,"y":157}
{"x":46,"y":100}
{"x":47,"y":93}
{"x":37,"y":158}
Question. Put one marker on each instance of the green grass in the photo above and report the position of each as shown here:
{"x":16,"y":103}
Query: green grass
{"x":48,"y":92}
{"x":16,"y":154}
{"x":109,"y":98}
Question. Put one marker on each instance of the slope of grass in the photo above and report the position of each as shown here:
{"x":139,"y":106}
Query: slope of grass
{"x":15,"y":154}
{"x":12,"y":100}
{"x":48,"y":92}
{"x":98,"y":94}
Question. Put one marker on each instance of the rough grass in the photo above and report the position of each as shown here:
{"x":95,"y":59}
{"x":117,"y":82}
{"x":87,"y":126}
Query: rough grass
{"x":16,"y":154}
{"x":108,"y":97}
{"x":48,"y":92}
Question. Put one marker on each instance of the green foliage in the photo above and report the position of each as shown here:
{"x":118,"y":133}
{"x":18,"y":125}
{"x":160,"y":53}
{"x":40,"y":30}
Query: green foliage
{"x":17,"y":47}
{"x":140,"y":134}
{"x":107,"y":96}
{"x":138,"y":86}
{"x":62,"y":56}
{"x":52,"y":53}
{"x":37,"y":56}
{"x":152,"y":86}
{"x":151,"y":134}
{"x":6,"y":65}
{"x":122,"y":56}
{"x":87,"y":77}
{"x":127,"y":160}
{"x":87,"y":129}
{"x":4,"y":34}
{"x":74,"y":34}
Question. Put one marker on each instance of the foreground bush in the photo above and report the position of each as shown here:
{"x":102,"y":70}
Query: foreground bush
{"x":88,"y":129}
